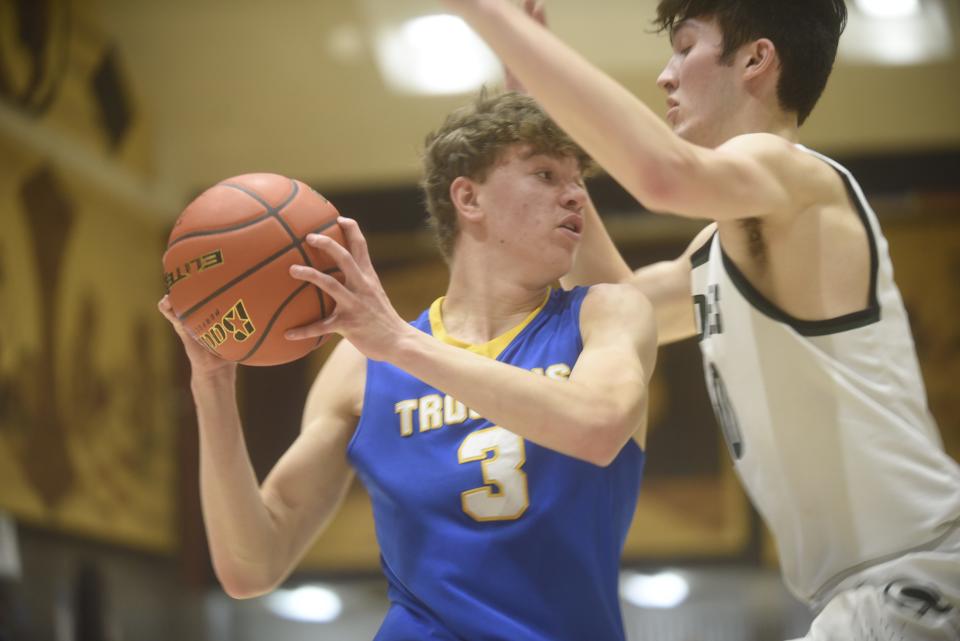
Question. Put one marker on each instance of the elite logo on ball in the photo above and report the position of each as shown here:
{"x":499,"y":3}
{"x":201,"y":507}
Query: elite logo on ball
{"x":196,"y":265}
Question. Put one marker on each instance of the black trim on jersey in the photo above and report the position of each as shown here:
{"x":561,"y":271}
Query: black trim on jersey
{"x":854,"y":320}
{"x":702,"y":255}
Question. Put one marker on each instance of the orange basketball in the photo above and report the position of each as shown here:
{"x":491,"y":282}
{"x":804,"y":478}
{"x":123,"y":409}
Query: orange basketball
{"x":227,"y":266}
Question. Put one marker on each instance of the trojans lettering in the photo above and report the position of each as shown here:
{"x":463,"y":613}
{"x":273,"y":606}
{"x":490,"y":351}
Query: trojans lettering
{"x":433,"y":411}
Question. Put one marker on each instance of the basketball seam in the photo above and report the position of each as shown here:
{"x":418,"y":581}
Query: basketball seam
{"x":275,"y":212}
{"x":210,"y":232}
{"x":259,"y":265}
{"x":299,"y":243}
{"x":270,"y":211}
{"x":233,"y":282}
{"x":276,"y":315}
{"x":273,"y":320}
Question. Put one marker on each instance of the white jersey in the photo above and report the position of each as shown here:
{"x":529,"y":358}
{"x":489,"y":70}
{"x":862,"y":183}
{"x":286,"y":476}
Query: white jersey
{"x":827,"y":421}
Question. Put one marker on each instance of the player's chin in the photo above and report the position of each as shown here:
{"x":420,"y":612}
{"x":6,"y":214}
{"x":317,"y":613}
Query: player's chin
{"x":688,"y":131}
{"x":682,"y":129}
{"x":568,"y":238}
{"x":561,"y":260}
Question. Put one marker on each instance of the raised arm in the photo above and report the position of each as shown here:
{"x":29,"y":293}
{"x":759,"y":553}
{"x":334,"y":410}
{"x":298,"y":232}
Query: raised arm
{"x":758,"y":175}
{"x":257,"y":534}
{"x":598,"y":260}
{"x":536,"y":10}
{"x":590,"y":416}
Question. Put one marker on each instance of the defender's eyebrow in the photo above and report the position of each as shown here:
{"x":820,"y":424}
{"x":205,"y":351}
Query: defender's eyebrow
{"x":678,"y":27}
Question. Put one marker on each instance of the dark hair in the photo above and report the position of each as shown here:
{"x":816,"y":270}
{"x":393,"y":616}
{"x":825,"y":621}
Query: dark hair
{"x":472,"y":140}
{"x":804,"y":32}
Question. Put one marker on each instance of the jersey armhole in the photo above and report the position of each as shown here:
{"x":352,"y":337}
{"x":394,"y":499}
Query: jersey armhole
{"x":363,"y":414}
{"x":702,"y":254}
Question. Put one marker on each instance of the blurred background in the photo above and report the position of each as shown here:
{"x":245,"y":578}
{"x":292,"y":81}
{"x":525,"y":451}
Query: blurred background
{"x":115,"y":113}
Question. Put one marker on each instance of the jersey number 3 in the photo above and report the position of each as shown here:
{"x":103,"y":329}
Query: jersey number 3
{"x":503,"y":496}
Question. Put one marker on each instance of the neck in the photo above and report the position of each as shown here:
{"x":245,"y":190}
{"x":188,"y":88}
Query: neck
{"x":755,"y":117}
{"x":483,"y":302}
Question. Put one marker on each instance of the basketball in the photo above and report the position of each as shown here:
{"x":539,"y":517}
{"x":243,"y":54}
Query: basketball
{"x":226,"y":267}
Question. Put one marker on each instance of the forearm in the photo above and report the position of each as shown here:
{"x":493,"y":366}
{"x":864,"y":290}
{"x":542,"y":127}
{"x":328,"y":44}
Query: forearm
{"x":598,"y":260}
{"x":241,"y":533}
{"x":578,"y":419}
{"x":621,"y":133}
{"x":666,"y":285}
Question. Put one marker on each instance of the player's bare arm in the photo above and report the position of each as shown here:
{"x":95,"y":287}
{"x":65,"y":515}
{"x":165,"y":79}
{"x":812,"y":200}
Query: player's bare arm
{"x":667,"y":286}
{"x":257,"y":534}
{"x":305,"y":489}
{"x":757,"y":175}
{"x":590,"y":416}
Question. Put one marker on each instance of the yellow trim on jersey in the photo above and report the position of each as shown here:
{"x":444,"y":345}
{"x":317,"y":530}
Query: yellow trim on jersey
{"x":491,"y":348}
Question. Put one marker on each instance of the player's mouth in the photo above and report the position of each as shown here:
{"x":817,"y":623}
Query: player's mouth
{"x":673,"y":109}
{"x":572,"y":223}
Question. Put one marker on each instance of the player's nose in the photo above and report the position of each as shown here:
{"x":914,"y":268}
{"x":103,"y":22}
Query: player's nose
{"x":667,"y":80}
{"x":574,"y":197}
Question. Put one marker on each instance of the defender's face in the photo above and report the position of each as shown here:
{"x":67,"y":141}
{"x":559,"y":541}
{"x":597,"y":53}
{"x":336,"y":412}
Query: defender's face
{"x":534,"y":207}
{"x":702,"y":93}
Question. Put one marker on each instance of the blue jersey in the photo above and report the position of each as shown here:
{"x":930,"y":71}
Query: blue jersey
{"x":483,"y":535}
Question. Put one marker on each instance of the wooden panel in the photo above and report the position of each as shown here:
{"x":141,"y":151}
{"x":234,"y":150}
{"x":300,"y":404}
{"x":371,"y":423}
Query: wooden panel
{"x":86,"y":436}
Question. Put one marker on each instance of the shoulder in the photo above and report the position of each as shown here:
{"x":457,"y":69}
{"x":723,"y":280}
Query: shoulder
{"x":339,"y":386}
{"x":620,"y":306}
{"x":345,"y":359}
{"x":765,"y":148}
{"x":618,"y":319}
{"x":785,"y":159}
{"x":805,"y":180}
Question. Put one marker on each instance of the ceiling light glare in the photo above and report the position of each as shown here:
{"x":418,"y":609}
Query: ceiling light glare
{"x":437,"y":54}
{"x":308,"y":603}
{"x":922,"y":36}
{"x":664,"y":590}
{"x":889,"y":8}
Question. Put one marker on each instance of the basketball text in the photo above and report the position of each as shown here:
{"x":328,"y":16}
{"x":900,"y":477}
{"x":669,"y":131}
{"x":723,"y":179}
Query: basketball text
{"x":235,"y":323}
{"x":211,"y":259}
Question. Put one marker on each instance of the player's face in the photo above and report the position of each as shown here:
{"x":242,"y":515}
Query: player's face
{"x":702,"y":93}
{"x":534,"y":206}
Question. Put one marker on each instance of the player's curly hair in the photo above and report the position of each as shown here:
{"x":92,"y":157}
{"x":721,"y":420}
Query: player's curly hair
{"x":473,"y":139}
{"x":804,"y":32}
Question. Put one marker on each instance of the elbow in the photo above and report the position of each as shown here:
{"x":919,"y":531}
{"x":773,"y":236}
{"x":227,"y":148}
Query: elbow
{"x":240,"y":584}
{"x":242,"y":591}
{"x":605,"y":437}
{"x":603,"y":454}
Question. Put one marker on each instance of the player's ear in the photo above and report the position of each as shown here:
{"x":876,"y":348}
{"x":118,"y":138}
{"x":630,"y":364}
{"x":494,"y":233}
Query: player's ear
{"x":760,"y":57}
{"x":465,"y":198}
